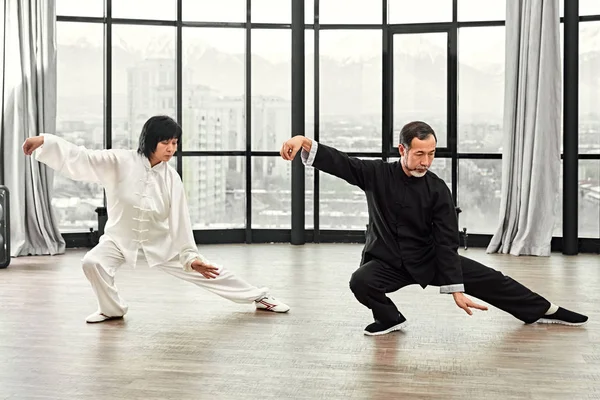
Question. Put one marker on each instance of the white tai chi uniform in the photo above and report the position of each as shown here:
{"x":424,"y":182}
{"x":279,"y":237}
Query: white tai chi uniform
{"x":147,"y":211}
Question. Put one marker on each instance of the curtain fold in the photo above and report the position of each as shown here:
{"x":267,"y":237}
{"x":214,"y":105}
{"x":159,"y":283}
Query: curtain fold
{"x":29,"y":107}
{"x":532,"y":117}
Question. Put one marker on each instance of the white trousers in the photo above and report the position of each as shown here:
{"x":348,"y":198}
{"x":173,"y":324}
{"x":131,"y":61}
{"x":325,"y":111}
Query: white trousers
{"x":102,"y":262}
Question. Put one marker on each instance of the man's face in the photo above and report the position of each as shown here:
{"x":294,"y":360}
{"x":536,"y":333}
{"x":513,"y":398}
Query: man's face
{"x":419,"y":157}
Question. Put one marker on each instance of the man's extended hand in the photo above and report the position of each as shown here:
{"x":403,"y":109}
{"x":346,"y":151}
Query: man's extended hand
{"x":466,"y":304}
{"x":291,"y":146}
{"x":207,"y":270}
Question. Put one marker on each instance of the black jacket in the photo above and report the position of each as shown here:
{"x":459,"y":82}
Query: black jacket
{"x":412,"y":221}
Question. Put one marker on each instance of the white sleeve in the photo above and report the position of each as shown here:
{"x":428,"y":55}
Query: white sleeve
{"x":180,"y":227}
{"x":309,"y":158}
{"x":77,"y":162}
{"x":456,"y":288}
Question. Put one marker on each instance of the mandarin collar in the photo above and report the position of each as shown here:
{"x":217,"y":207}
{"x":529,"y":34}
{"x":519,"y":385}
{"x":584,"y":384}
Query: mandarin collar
{"x":148,"y":167}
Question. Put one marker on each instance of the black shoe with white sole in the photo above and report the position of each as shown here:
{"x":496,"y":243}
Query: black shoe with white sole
{"x":382,"y":328}
{"x":564,"y":317}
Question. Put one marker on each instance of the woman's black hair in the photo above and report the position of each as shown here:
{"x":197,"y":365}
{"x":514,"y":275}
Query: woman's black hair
{"x":154,"y":131}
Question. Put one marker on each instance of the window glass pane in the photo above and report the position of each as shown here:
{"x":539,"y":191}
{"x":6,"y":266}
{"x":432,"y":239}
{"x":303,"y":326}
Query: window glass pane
{"x":309,"y":123}
{"x":442,"y":167}
{"x":420,"y":82}
{"x":589,"y":198}
{"x":588,"y":201}
{"x":481,"y":10}
{"x":79,"y":118}
{"x":213,"y":89}
{"x":309,"y":11}
{"x":271,"y":88}
{"x":350,"y":12}
{"x":271,"y":193}
{"x":589,"y":87}
{"x":214,"y":11}
{"x":78,"y":8}
{"x":309,"y":85}
{"x":405,"y":12}
{"x":480,"y":65}
{"x":145,"y":9}
{"x":271,"y":11}
{"x":341,"y":205}
{"x":562,"y":109}
{"x":350,"y":89}
{"x":143,"y":80}
{"x":588,"y":7}
{"x":309,"y":198}
{"x":216,"y":191}
{"x":173,"y":162}
{"x":558,"y":206}
{"x":561,"y":8}
{"x":479,"y":186}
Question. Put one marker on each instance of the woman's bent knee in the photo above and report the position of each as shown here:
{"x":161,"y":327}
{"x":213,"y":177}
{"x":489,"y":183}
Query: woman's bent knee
{"x":89,"y":263}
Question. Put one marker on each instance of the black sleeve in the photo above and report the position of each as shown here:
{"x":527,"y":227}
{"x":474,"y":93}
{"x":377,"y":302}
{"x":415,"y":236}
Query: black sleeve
{"x":446,"y":237}
{"x":361,"y":173}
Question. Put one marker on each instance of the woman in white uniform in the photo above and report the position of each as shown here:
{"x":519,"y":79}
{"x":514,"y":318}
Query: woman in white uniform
{"x":147,"y":212}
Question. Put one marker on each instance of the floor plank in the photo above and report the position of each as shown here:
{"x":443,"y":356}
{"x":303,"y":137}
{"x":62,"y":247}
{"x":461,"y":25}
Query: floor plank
{"x":181,"y":342}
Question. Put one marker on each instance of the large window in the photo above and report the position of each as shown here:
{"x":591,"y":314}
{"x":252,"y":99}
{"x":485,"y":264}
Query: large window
{"x":364,"y":79}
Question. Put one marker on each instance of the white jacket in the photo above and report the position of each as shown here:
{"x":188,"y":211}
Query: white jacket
{"x":147,"y":206}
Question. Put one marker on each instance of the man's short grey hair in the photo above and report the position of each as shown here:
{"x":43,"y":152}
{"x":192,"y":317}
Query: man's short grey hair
{"x":415,"y":129}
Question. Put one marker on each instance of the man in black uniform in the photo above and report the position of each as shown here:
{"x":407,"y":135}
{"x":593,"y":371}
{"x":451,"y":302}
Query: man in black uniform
{"x":413,"y":238}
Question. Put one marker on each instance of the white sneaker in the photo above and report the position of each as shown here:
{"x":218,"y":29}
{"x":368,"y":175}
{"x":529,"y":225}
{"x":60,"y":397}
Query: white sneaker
{"x":269,"y":303}
{"x":99,"y":317}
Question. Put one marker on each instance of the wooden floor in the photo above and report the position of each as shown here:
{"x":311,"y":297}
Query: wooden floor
{"x":181,"y":342}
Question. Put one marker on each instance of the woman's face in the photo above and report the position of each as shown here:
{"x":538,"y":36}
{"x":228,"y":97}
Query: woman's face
{"x":165,"y":150}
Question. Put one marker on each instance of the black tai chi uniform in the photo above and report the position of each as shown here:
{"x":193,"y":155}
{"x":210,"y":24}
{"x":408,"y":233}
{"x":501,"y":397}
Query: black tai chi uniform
{"x":413,"y":238}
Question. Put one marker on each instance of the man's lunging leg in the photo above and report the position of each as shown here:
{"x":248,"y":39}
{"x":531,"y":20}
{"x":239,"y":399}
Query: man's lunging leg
{"x":369,"y":284}
{"x":507,"y":294}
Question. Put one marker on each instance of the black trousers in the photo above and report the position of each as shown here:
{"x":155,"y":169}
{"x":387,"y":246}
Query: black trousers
{"x":374,"y":279}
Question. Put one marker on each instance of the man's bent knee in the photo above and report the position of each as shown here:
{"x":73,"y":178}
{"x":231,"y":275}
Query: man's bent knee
{"x":359,"y":281}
